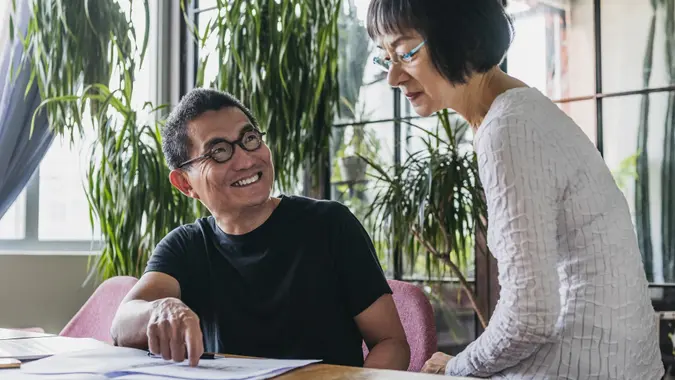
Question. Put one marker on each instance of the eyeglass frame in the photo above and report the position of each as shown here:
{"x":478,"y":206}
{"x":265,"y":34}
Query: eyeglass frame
{"x":380,"y":63}
{"x":239,"y":142}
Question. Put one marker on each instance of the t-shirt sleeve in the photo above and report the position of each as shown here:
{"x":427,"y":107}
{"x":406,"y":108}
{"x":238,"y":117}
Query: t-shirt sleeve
{"x":169,"y":255}
{"x":360,"y":272}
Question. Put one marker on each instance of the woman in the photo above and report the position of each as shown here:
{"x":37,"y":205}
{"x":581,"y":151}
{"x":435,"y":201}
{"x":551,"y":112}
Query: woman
{"x":574,"y":301}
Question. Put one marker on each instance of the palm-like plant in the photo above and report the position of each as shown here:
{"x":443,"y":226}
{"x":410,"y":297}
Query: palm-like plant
{"x":280,"y":58}
{"x":642,"y":203}
{"x":84,"y":54}
{"x":433,"y":203}
{"x":668,"y":161}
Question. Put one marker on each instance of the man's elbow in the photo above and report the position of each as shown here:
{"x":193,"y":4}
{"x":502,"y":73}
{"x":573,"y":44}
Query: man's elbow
{"x":390,"y":353}
{"x":405,"y":354}
{"x":400,"y":353}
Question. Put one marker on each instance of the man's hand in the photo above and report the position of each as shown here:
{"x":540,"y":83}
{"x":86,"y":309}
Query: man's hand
{"x":437,"y":363}
{"x":173,"y":331}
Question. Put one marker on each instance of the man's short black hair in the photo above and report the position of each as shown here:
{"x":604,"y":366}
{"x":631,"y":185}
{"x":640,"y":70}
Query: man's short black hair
{"x":175,"y":139}
{"x":462,"y":36}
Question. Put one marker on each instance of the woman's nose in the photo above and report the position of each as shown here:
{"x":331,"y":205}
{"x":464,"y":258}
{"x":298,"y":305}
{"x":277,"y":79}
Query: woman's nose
{"x":395,"y":76}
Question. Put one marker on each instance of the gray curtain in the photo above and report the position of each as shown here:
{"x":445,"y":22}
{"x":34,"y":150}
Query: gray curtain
{"x":20,"y":153}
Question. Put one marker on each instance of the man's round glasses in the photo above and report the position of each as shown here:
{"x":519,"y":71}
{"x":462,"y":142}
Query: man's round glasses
{"x":386,"y":63}
{"x":223,"y":150}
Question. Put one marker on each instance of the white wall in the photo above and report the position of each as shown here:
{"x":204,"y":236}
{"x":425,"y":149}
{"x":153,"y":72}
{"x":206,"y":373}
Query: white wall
{"x":42,"y":290}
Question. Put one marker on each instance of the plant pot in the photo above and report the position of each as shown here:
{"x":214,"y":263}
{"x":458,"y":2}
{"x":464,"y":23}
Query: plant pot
{"x":353,"y":168}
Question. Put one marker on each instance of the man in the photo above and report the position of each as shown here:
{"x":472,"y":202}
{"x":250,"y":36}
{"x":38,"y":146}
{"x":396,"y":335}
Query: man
{"x":286,"y":277}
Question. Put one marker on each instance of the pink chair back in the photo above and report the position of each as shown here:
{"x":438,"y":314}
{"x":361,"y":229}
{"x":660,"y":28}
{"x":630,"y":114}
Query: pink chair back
{"x":95,"y":317}
{"x":417,"y":317}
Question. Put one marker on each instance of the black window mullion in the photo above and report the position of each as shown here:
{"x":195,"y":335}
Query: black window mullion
{"x":397,"y":252}
{"x":597,"y":16}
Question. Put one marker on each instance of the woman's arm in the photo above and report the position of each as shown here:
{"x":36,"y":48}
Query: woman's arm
{"x":519,"y":171}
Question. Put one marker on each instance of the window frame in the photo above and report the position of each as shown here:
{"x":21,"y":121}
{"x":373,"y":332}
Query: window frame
{"x":160,"y":90}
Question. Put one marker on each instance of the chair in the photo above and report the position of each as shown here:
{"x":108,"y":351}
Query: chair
{"x":95,"y":317}
{"x":417,"y":317}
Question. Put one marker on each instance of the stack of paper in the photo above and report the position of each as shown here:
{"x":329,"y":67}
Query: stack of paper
{"x":127,"y":363}
{"x":41,"y":347}
{"x":21,"y":334}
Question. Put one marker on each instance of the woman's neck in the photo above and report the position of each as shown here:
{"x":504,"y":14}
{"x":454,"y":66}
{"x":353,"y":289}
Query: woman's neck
{"x":478,"y":94}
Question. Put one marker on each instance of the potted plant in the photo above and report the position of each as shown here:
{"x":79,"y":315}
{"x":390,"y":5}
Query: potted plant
{"x":126,"y":185}
{"x":433,"y":204}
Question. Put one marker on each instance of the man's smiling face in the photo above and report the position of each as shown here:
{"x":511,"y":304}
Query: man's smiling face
{"x":245,"y":179}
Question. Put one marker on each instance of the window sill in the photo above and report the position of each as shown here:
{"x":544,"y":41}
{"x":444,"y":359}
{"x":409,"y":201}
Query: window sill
{"x":15,"y":252}
{"x":51,"y":248}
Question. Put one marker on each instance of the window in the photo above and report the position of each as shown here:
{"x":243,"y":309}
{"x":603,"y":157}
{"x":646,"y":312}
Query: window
{"x":52,"y":213}
{"x":612,"y":72}
{"x":13,"y":223}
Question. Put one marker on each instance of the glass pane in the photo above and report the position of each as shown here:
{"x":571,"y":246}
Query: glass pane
{"x":13,"y":223}
{"x":584,"y":114}
{"x":143,"y":90}
{"x":363,"y":87}
{"x":208,"y":53}
{"x":64,"y":209}
{"x":553,"y":48}
{"x":351,"y":177}
{"x":143,"y":81}
{"x":416,"y":137}
{"x":455,"y":319}
{"x":621,"y":127}
{"x":626,"y":37}
{"x":204,"y":4}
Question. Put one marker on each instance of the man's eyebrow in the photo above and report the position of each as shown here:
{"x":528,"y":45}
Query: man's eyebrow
{"x":213,"y":142}
{"x":217,"y":140}
{"x":246,"y":128}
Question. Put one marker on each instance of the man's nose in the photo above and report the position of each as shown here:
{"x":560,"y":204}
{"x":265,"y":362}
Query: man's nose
{"x":242,"y":159}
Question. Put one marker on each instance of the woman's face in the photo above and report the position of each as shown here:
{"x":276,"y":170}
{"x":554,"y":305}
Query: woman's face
{"x":426,"y":89}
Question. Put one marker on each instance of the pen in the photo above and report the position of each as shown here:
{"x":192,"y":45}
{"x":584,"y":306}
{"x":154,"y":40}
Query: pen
{"x":206,"y":355}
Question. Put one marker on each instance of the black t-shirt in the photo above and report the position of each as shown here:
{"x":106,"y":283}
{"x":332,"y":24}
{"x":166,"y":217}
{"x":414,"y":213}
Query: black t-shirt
{"x":289,"y":289}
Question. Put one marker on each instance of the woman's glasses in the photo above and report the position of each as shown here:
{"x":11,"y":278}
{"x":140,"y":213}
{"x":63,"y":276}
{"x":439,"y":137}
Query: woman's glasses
{"x":224,"y":150}
{"x":386,"y":63}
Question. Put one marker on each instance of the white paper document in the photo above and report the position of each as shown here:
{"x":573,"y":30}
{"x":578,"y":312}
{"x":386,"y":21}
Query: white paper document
{"x":37,"y":348}
{"x":123,"y":363}
{"x":20,"y":334}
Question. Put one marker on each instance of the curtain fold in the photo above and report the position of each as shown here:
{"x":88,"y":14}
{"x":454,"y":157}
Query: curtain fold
{"x":20,"y":152}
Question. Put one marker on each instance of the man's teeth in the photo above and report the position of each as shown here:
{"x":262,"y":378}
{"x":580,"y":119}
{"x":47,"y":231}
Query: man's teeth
{"x":247,"y":181}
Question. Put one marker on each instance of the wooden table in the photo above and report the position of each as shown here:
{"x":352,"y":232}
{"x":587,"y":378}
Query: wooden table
{"x":334,"y":372}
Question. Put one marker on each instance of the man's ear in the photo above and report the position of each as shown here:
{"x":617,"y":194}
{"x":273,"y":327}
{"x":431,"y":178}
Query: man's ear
{"x":179,"y":179}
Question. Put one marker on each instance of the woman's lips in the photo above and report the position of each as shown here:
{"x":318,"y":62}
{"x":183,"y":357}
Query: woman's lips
{"x":412,"y":95}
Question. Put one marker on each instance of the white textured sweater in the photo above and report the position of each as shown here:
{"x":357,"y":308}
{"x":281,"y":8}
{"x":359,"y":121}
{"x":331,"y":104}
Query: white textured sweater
{"x":574,"y":302}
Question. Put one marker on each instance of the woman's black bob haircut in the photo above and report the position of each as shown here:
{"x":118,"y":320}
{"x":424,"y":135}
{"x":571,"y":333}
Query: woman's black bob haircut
{"x":462,"y":36}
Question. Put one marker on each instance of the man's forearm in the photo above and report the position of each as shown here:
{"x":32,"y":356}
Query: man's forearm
{"x":129,"y":328}
{"x":389,"y":354}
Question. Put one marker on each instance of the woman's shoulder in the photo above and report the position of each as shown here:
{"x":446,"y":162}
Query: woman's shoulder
{"x":531,"y":116}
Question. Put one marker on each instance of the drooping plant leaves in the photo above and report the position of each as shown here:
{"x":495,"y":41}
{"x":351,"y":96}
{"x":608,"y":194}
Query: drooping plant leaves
{"x":280,"y":58}
{"x":432,"y":205}
{"x":73,"y":48}
{"x":668,"y":161}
